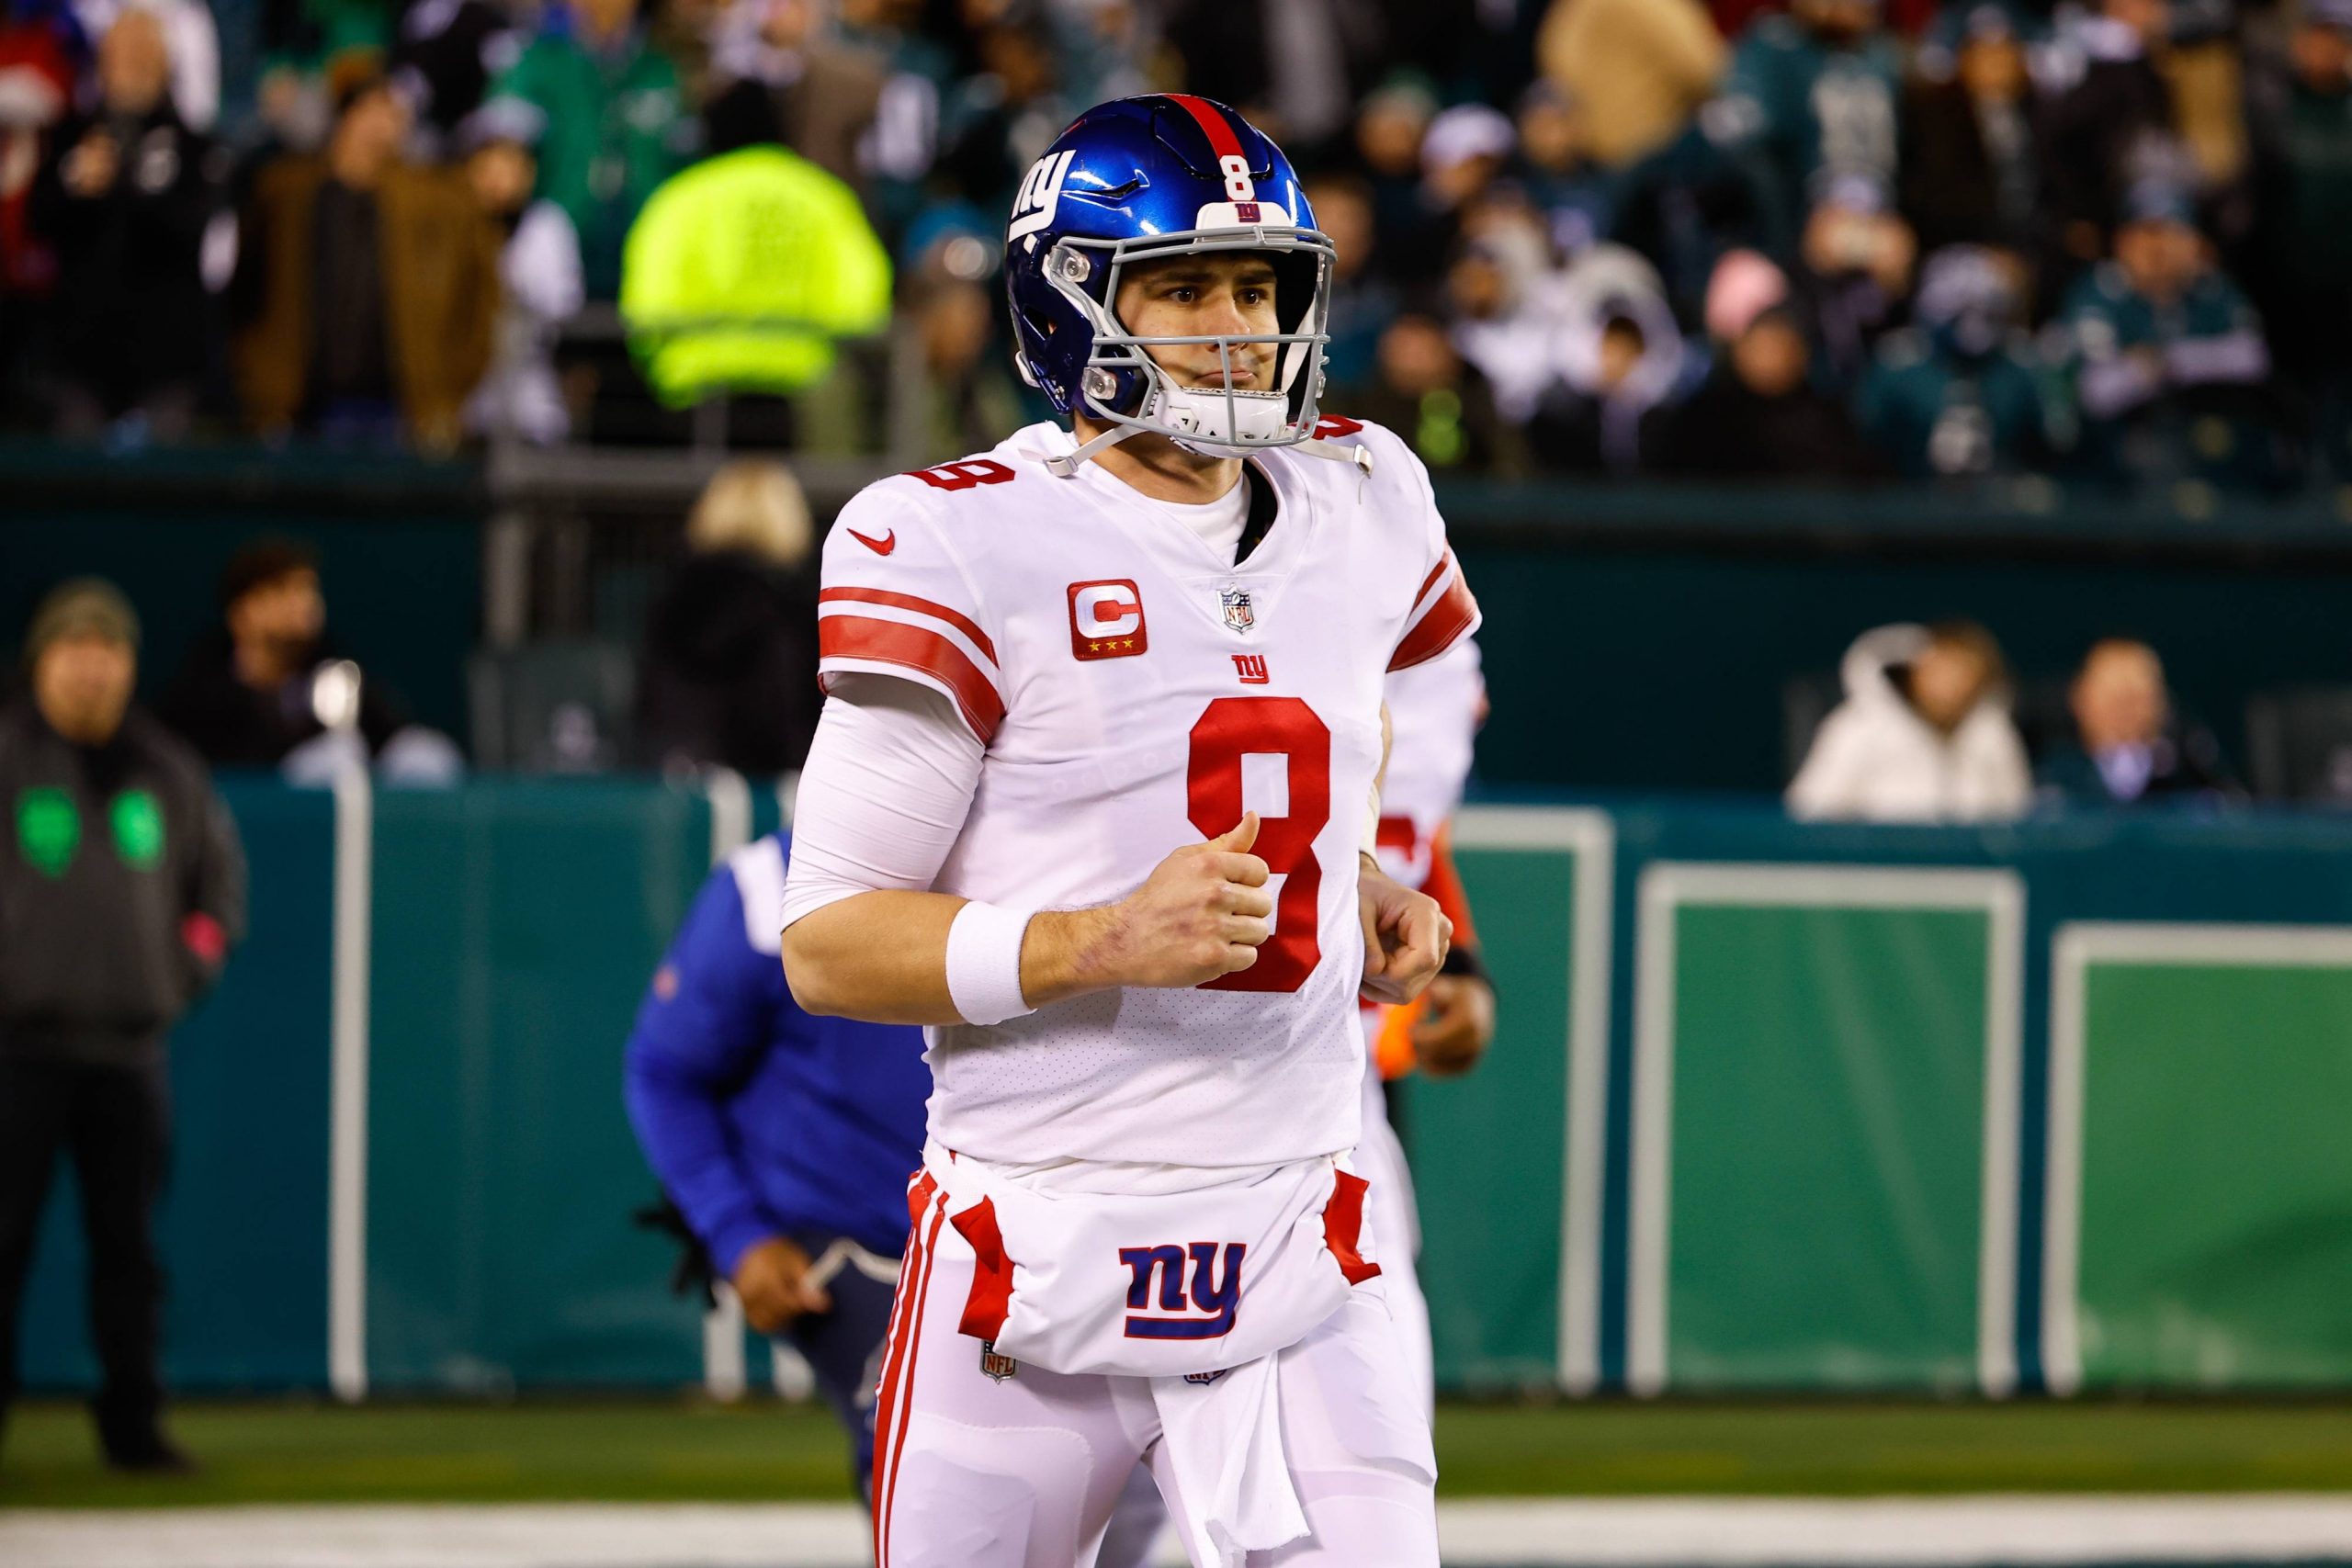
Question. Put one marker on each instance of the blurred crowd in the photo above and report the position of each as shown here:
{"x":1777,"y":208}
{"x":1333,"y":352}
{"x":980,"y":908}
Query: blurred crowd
{"x":1930,"y":726}
{"x":2103,"y":238}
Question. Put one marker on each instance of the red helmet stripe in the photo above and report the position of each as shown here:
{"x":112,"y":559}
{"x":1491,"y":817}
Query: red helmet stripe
{"x":1222,"y":142}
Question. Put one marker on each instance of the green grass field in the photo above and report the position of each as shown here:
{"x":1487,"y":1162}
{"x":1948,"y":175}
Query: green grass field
{"x":566,"y":1450}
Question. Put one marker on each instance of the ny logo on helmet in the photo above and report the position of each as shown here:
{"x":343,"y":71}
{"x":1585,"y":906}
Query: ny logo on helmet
{"x":1033,"y":210}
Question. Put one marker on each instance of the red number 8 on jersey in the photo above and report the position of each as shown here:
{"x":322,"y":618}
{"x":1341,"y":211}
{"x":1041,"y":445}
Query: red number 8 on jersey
{"x":1227,"y":730}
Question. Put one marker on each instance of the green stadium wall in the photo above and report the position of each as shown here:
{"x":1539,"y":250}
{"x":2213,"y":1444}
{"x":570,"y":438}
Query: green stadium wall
{"x":1773,"y":1108}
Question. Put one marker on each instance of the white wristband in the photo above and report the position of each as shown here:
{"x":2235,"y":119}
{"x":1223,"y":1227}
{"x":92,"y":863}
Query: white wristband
{"x":984,"y":963}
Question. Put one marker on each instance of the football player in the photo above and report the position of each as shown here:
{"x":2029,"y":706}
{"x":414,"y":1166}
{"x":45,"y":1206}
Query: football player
{"x":1092,"y":799}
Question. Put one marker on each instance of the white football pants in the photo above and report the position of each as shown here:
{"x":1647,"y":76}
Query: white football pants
{"x":1025,"y":1469}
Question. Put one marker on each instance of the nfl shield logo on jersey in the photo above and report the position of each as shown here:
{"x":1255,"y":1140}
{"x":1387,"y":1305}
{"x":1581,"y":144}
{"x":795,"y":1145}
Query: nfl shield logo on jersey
{"x":1237,"y":608}
{"x":996,"y":1368}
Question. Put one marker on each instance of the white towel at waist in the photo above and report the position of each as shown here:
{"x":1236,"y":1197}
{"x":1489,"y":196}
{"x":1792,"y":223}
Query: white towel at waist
{"x":1198,"y":1292}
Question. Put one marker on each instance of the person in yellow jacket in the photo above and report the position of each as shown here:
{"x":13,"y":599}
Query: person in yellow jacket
{"x":742,"y":273}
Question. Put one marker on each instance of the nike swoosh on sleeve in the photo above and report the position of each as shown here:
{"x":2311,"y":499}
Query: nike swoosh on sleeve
{"x":881,"y":546}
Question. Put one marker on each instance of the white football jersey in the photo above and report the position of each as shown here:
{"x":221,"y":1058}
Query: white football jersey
{"x":1136,"y":691}
{"x":1434,"y":711}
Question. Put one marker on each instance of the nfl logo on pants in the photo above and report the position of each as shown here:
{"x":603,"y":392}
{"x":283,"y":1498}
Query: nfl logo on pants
{"x":996,"y":1368}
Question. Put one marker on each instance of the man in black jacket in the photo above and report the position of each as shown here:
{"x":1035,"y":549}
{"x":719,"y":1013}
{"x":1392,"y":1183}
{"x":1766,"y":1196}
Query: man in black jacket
{"x":243,"y":696}
{"x":127,"y":199}
{"x":121,"y":888}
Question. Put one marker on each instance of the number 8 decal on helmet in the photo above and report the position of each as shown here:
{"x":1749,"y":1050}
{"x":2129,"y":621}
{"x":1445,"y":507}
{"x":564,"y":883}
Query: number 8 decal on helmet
{"x":1236,"y":169}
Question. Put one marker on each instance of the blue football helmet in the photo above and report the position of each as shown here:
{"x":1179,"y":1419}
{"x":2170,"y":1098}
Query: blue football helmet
{"x":1136,"y":180}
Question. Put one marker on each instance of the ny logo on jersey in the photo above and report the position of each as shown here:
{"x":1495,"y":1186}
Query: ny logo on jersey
{"x":1167,"y":1313}
{"x":1106,"y":620}
{"x":1251,"y":669}
{"x":1237,"y":614}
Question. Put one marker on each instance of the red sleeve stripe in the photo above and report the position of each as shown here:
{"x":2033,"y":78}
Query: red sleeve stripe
{"x":956,"y":618}
{"x":1439,"y":628}
{"x":915,"y":649}
{"x":1444,"y":564}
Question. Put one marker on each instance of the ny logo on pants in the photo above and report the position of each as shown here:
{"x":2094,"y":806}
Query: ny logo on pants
{"x":1207,"y":1313}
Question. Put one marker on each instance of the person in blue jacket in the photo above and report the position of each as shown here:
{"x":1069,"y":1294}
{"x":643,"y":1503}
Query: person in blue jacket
{"x":785,"y":1140}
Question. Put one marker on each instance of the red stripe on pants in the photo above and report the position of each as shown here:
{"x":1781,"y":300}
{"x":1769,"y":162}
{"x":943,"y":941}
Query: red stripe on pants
{"x":890,"y":1419}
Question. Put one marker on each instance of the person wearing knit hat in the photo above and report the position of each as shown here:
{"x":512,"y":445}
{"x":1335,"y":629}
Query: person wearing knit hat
{"x":121,"y":889}
{"x":87,"y":606}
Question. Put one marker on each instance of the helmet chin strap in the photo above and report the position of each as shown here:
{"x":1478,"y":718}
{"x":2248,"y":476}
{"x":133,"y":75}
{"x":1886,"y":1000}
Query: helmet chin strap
{"x":1063,"y":465}
{"x":1197,"y":419}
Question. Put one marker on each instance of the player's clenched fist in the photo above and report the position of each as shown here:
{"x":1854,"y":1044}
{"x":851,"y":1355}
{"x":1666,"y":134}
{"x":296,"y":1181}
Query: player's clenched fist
{"x":1202,"y":912}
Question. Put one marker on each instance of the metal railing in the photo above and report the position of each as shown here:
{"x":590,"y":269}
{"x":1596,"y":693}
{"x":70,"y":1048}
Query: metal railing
{"x":570,"y":521}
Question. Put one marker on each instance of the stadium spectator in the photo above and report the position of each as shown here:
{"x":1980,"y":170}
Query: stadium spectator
{"x":1502,"y":323}
{"x":35,"y":87}
{"x":825,"y":93}
{"x":309,"y":48}
{"x":1923,"y":735}
{"x":618,"y":124}
{"x":1971,"y":158}
{"x":952,"y":295}
{"x":538,"y":270}
{"x":450,"y":50}
{"x":1390,"y":124}
{"x":726,"y":675}
{"x":1441,"y":406}
{"x":1812,"y":94}
{"x":2302,"y":137}
{"x":1556,"y":168}
{"x":1464,"y":149}
{"x":2129,"y":746}
{"x":249,"y":692}
{"x":1622,"y":362}
{"x":1687,"y":207}
{"x":1639,"y":68}
{"x":1960,"y":394}
{"x":995,"y":122}
{"x":191,"y":42}
{"x":742,"y":270}
{"x":2167,"y":355}
{"x":369,"y":285}
{"x":128,"y":201}
{"x":1857,"y":254}
{"x":1598,"y":427}
{"x":122,"y":890}
{"x":2204,"y":71}
{"x":1364,"y":301}
{"x":1758,"y":416}
{"x":897,"y":156}
{"x":2107,"y":122}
